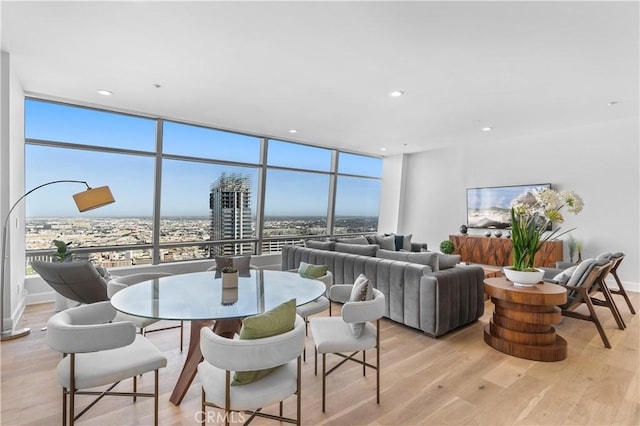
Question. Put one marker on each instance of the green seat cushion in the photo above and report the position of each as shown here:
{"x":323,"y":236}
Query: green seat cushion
{"x":307,"y":270}
{"x":278,"y":320}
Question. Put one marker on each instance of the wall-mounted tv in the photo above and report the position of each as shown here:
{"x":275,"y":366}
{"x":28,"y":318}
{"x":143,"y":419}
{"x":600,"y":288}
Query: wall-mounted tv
{"x":490,"y":207}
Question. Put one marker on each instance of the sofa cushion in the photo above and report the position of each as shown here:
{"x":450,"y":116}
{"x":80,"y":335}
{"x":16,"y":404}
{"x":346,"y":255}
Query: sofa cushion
{"x":320,"y":245}
{"x":362,"y":250}
{"x":386,"y":243}
{"x":446,"y":261}
{"x":423,"y":258}
{"x":355,"y":240}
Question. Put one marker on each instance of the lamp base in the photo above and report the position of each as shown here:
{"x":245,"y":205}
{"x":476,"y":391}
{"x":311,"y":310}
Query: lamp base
{"x":14,"y":334}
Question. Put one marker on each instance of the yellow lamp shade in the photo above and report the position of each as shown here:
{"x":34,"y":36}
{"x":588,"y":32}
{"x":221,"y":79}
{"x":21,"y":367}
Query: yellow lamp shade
{"x":93,"y":198}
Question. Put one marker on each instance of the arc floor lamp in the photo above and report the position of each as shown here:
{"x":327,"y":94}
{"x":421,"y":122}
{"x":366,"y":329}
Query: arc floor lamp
{"x":90,"y":198}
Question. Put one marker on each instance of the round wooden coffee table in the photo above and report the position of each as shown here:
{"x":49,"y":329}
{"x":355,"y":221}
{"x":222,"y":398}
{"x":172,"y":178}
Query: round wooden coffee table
{"x":521,"y":322}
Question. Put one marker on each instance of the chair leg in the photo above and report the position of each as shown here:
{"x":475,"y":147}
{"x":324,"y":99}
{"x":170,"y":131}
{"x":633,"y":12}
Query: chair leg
{"x":72,"y":388}
{"x":227,"y":398}
{"x":135,"y":388}
{"x":364,"y":363}
{"x":64,"y":406}
{"x":324,"y":377}
{"x":378,"y":361}
{"x":299,"y":394}
{"x":203,"y":408}
{"x":315,"y":368}
{"x":595,"y":320}
{"x":611,"y":304}
{"x":155,"y":399}
{"x":621,"y":291}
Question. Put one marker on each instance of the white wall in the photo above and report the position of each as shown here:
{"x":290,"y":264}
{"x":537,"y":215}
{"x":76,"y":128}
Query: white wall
{"x":391,"y":194}
{"x":12,"y":164}
{"x":600,"y":162}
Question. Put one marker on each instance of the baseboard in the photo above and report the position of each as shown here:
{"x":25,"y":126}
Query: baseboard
{"x":634,"y":287}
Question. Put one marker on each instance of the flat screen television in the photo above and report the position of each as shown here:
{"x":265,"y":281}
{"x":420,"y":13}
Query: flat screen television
{"x":490,"y":207}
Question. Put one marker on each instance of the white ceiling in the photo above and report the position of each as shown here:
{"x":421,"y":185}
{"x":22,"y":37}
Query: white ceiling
{"x":326,"y":68}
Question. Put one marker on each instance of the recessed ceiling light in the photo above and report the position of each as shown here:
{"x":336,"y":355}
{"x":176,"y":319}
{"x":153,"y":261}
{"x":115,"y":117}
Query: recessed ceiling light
{"x":487,"y":129}
{"x":383,"y":149}
{"x":105,"y":92}
{"x":396,"y":93}
{"x":612,"y":103}
{"x":293,"y":131}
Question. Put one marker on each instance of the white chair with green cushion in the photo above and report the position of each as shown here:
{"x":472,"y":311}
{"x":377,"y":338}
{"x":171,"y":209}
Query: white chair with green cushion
{"x":352,"y":331}
{"x":317,"y":272}
{"x":261,"y":368}
{"x":99,"y":352}
{"x":122,"y":282}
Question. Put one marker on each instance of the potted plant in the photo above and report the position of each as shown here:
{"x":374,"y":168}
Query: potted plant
{"x":229,"y":277}
{"x":531,"y":216}
{"x":63,"y":253}
{"x":447,"y":247}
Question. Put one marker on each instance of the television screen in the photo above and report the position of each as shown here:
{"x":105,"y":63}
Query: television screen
{"x":490,"y":207}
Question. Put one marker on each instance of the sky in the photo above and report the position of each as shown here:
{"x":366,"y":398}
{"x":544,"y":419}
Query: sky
{"x":185,"y":184}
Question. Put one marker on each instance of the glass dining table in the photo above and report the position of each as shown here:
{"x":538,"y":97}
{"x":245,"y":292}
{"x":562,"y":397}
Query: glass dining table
{"x":199,"y":298}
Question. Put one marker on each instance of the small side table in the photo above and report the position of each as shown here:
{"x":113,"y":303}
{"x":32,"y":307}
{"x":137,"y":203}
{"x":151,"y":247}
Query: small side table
{"x":521,"y":322}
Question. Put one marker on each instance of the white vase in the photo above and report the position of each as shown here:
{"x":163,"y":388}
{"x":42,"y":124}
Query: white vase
{"x":523,"y":278}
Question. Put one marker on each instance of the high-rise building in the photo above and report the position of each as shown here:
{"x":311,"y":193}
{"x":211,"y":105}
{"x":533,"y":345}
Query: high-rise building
{"x":230,"y":204}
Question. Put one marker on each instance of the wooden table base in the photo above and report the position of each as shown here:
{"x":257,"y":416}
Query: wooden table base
{"x":226,"y":328}
{"x":538,"y":342}
{"x":521,"y":322}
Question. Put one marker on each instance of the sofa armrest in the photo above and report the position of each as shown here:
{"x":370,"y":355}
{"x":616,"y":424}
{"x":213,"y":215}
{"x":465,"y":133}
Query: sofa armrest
{"x":451,"y":298}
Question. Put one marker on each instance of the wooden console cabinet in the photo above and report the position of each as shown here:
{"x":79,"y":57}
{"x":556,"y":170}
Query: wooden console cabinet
{"x":497,"y":251}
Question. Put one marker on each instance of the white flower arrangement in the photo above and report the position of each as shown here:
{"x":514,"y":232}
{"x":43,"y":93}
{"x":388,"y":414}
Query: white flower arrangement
{"x":531,"y":216}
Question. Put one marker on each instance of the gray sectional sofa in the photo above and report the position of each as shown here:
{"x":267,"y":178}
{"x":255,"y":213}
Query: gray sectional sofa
{"x":434,"y":302}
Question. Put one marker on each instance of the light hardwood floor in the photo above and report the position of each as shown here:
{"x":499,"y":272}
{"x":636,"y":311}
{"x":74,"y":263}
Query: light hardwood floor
{"x":455,"y":379}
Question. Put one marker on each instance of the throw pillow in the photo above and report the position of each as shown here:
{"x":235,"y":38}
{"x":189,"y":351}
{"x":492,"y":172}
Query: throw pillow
{"x":241,"y":263}
{"x":406,"y":242}
{"x":104,"y":273}
{"x":360,"y":292}
{"x":563,"y":277}
{"x":371,"y":239}
{"x":386,"y":243}
{"x":319,"y":245}
{"x":429,"y":259}
{"x":362,"y":250}
{"x":355,"y":240}
{"x":447,"y":261}
{"x":278,"y":320}
{"x":307,"y":270}
{"x":402,"y":242}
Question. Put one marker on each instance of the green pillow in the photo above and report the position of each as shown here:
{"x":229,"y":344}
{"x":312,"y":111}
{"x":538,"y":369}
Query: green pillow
{"x":306,"y":270}
{"x":271,"y":323}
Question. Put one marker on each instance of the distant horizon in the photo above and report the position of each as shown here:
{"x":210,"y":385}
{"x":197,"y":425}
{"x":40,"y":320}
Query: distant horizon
{"x":183,"y":216}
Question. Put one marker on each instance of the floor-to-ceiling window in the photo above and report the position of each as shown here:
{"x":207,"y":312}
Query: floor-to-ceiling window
{"x":184,"y":191}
